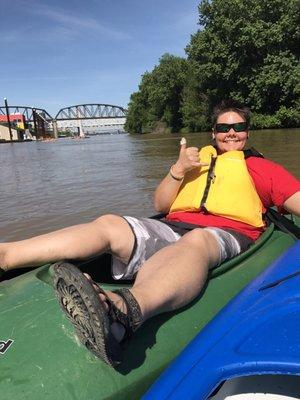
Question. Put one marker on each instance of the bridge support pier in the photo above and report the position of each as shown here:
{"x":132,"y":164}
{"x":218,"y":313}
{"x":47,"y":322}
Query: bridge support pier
{"x":55,"y":130}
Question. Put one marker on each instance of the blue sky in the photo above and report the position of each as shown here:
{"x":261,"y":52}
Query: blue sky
{"x":61,"y":53}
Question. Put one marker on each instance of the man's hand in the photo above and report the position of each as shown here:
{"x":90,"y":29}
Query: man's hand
{"x":188,"y":159}
{"x":168,"y":188}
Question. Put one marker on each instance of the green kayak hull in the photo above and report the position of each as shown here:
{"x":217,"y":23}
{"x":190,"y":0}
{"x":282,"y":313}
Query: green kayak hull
{"x":46,"y":361}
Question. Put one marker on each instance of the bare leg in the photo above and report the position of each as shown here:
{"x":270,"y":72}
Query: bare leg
{"x":107,"y":233}
{"x":172,"y":277}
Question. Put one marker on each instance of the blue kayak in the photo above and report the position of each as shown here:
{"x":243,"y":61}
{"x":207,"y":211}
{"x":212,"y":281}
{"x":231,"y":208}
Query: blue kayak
{"x":256,"y":333}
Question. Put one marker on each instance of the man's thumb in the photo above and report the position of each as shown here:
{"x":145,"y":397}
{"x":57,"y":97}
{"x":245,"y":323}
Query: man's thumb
{"x":183,"y":143}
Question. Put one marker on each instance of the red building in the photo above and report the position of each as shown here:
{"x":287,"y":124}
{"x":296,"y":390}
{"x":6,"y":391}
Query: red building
{"x":17,"y":120}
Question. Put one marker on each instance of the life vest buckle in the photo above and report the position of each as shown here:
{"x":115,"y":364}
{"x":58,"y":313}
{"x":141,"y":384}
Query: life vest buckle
{"x":203,"y":209}
{"x":212,"y":177}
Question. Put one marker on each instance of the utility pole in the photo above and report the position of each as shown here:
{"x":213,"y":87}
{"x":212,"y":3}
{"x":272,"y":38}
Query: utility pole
{"x":35,"y":122}
{"x":8,"y":120}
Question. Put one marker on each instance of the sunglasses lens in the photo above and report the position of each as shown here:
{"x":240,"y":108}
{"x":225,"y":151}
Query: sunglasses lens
{"x":240,"y":127}
{"x":222,"y":128}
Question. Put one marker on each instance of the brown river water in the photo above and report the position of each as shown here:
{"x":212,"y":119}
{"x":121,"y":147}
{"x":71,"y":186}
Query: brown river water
{"x":45,"y":186}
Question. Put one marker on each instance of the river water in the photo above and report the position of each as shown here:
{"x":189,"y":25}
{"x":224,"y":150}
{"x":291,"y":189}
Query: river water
{"x":50,"y":185}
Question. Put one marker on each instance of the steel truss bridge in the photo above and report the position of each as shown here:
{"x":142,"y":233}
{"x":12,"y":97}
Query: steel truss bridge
{"x":91,"y":118}
{"x":28,"y":112}
{"x":75,"y":118}
{"x":90,"y":111}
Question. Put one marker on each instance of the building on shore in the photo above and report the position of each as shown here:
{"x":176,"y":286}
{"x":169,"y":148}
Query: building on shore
{"x":5,"y":134}
{"x":17,"y":120}
{"x":18,"y":135}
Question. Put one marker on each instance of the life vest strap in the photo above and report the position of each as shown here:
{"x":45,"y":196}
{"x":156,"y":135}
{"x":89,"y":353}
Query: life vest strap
{"x":283,"y":223}
{"x":209,"y":180}
{"x":252,"y":152}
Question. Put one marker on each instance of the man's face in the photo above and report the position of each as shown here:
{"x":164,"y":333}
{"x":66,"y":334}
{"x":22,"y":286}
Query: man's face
{"x":231,"y":140}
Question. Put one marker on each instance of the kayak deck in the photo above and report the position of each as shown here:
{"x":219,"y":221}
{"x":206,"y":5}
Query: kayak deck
{"x":46,"y":361}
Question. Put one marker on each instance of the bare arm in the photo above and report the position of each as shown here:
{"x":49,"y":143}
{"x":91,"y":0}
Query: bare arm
{"x":292,"y":204}
{"x":167,"y":190}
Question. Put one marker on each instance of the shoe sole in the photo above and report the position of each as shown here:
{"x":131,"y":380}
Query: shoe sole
{"x":82,"y":306}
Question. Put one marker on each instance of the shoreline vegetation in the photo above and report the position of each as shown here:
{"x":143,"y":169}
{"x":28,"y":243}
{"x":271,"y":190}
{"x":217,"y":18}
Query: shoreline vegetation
{"x":245,"y":51}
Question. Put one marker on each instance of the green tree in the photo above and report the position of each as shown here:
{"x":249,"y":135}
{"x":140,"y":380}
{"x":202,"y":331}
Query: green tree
{"x":136,"y":113}
{"x":194,"y":105}
{"x":248,"y":51}
{"x":159,"y":97}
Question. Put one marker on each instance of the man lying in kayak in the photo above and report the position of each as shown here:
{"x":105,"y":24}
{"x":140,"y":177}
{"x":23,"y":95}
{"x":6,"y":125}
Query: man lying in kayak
{"x":214,"y":200}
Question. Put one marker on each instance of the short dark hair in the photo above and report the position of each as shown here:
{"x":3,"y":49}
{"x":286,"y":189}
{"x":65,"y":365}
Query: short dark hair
{"x":231,"y":105}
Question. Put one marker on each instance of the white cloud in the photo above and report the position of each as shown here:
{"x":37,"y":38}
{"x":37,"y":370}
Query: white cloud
{"x":72,"y":24}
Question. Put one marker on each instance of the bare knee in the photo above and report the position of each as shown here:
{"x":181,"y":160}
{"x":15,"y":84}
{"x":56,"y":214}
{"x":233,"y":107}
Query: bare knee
{"x":197,"y":237}
{"x":204,"y":242}
{"x":108,"y":221}
{"x":118,"y":234}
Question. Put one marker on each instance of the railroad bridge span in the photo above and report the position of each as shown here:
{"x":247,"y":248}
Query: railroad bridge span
{"x":92,"y":118}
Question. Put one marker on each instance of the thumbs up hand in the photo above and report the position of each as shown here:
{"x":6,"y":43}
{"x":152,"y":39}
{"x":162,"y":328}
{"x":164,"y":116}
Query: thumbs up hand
{"x":188,"y":159}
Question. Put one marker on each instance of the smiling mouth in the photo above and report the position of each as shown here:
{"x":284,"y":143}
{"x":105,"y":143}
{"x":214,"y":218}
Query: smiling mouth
{"x":231,"y":140}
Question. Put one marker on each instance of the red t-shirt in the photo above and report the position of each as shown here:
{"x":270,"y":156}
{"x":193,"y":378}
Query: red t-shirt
{"x":274,"y":185}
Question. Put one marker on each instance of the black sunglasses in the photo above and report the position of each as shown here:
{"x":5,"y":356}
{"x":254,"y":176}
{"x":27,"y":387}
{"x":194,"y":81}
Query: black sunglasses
{"x":238,"y":127}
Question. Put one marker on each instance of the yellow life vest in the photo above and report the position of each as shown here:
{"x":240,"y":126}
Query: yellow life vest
{"x":223,"y":188}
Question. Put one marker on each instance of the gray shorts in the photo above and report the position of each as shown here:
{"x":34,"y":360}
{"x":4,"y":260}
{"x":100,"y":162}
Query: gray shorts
{"x":152,"y":235}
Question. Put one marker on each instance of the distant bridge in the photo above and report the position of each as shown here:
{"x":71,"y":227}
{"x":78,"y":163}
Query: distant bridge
{"x":92,"y":118}
{"x":28,"y":112}
{"x":90,"y":111}
{"x":38,"y":118}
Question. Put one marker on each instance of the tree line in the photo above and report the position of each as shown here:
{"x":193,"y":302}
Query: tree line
{"x":247,"y":51}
